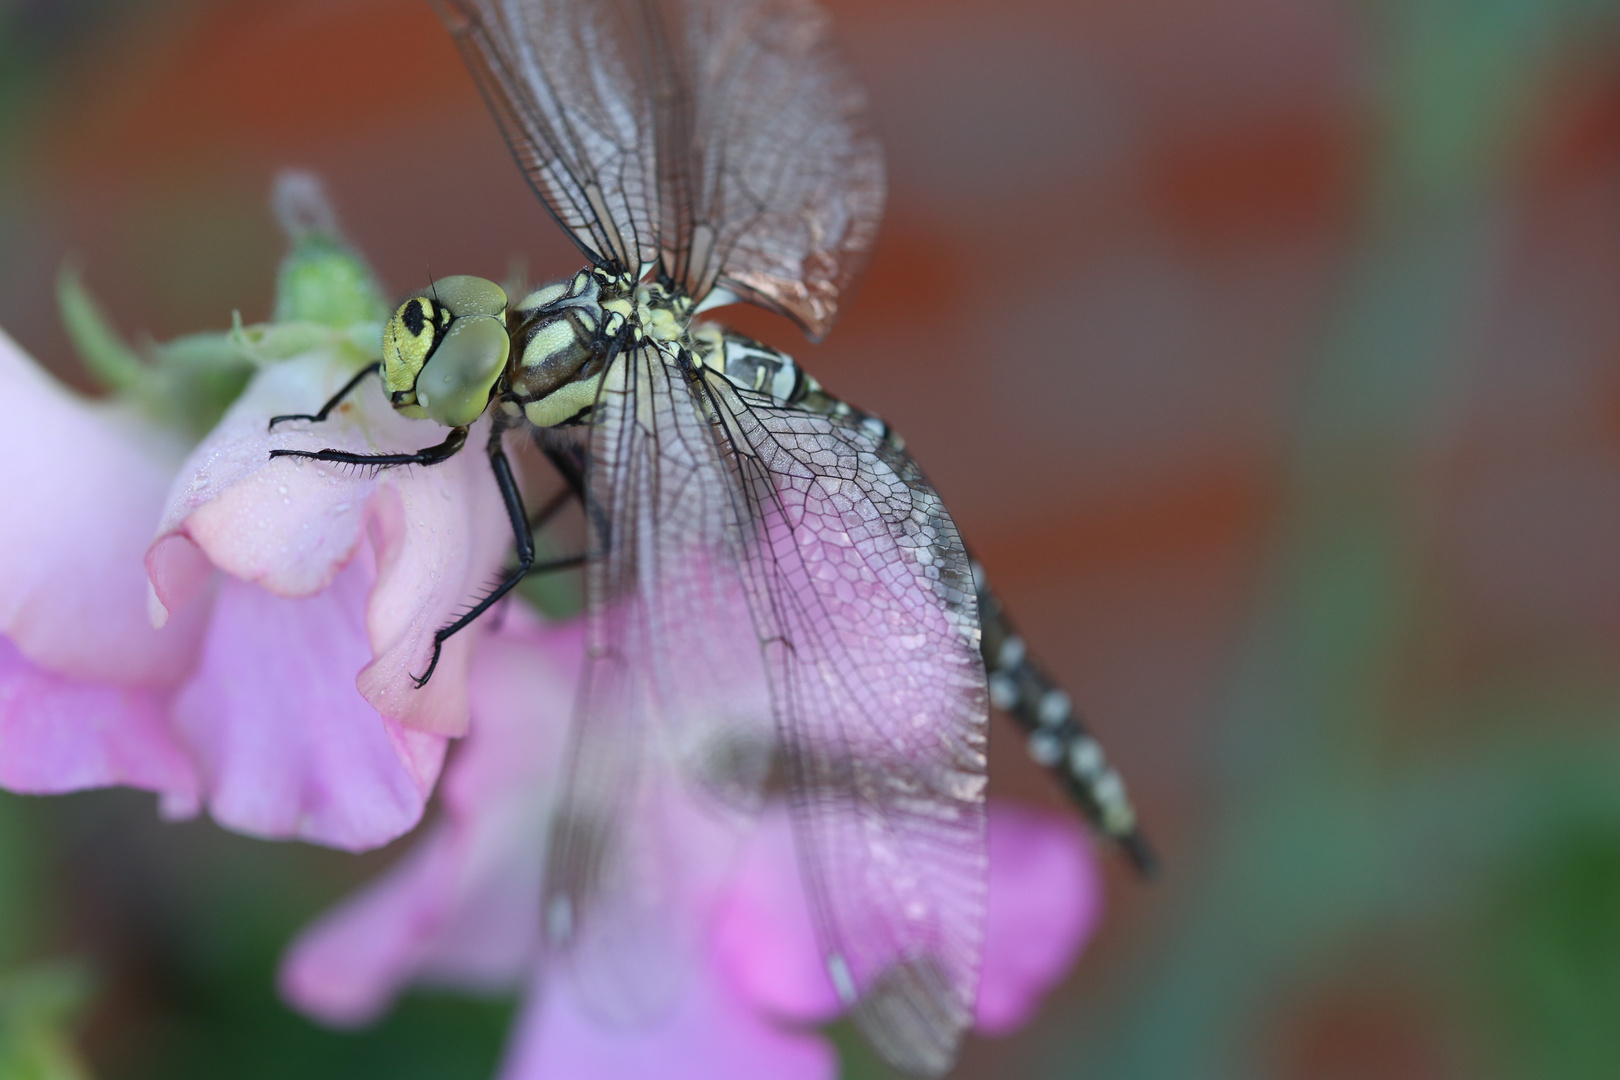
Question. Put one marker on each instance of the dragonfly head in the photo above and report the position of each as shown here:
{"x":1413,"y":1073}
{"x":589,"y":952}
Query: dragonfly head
{"x":444,"y":349}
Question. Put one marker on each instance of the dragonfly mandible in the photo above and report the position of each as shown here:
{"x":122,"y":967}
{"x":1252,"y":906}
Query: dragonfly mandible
{"x":777,"y":598}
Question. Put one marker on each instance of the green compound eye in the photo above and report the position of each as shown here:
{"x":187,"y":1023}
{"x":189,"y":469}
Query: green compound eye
{"x":466,"y":295}
{"x":440,"y":348}
{"x":455,"y":382}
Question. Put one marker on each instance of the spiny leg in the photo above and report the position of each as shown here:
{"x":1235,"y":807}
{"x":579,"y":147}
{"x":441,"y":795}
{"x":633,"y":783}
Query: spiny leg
{"x":428,"y":455}
{"x":538,"y":520}
{"x":333,"y":402}
{"x":1057,"y":739}
{"x":521,"y":533}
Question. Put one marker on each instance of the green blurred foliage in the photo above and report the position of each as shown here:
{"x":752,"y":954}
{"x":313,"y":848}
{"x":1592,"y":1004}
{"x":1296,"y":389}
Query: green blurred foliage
{"x":40,"y":1000}
{"x":186,"y":924}
{"x":1548,"y":958}
{"x":38,"y":1007}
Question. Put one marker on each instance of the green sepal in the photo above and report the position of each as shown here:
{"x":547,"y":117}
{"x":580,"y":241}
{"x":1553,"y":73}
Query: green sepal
{"x":271,"y":343}
{"x":195,"y":378}
{"x":111,"y":361}
{"x":39,"y":1008}
{"x":184,"y":385}
{"x":324,"y":281}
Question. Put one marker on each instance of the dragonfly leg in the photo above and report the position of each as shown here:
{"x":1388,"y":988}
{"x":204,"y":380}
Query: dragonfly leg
{"x":429,"y":455}
{"x":333,"y":402}
{"x":521,"y":532}
{"x":538,"y":521}
{"x":567,"y":456}
{"x":548,"y":511}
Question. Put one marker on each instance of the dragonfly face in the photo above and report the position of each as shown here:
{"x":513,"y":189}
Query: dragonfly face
{"x":766,"y":566}
{"x":443,"y":352}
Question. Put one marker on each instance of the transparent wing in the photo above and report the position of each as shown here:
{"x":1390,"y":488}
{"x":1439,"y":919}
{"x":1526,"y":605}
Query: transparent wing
{"x":881,"y":707}
{"x":567,"y":86}
{"x":725,"y":137}
{"x":673,"y":735}
{"x":797,"y":575}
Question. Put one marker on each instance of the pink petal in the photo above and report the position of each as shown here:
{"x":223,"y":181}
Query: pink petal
{"x":288,"y":528}
{"x":81,"y":502}
{"x":288,"y":747}
{"x":440,"y":535}
{"x":437,"y":534}
{"x":462,"y":908}
{"x":713,"y":1034}
{"x":1045,"y":902}
{"x":346,"y":969}
{"x":498,"y":798}
{"x":764,"y":939}
{"x":523,"y":688}
{"x":60,"y":734}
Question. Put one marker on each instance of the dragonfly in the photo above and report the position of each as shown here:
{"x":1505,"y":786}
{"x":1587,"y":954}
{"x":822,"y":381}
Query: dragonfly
{"x":778,"y":602}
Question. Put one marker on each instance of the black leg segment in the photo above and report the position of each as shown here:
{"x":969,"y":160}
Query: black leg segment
{"x":336,"y":399}
{"x":431,"y":455}
{"x":549,"y":511}
{"x":525,"y":552}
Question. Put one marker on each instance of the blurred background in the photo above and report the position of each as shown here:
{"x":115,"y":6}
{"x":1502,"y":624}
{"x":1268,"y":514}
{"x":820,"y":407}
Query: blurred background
{"x":1267,"y":352}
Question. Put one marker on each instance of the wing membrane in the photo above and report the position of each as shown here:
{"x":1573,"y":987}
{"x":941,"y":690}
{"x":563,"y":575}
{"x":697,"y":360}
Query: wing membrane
{"x":566,"y":87}
{"x":800,"y":563}
{"x":881,"y":708}
{"x":726,"y":138}
{"x":672,"y":733}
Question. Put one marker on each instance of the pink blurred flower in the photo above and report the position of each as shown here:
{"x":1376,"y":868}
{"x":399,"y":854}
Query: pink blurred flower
{"x":275,"y":585}
{"x":462,"y":910}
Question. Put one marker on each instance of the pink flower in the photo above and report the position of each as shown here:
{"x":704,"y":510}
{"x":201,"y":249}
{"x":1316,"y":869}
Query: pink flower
{"x":462,"y":910}
{"x":292,"y":600}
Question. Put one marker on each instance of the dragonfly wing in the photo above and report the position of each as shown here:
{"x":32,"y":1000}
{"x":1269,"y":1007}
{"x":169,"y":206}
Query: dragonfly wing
{"x":727,"y":138}
{"x":881,"y":709}
{"x":784,"y":169}
{"x":774,"y":592}
{"x":568,"y":89}
{"x":673,"y":734}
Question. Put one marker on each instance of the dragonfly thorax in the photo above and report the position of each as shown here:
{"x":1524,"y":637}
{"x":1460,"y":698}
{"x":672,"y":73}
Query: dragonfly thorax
{"x":559,"y":334}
